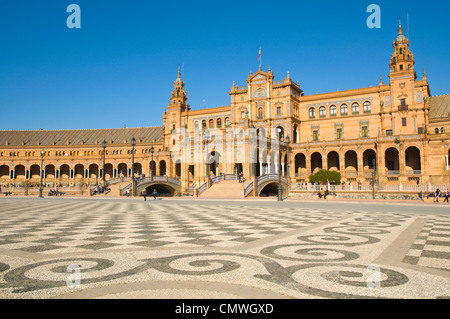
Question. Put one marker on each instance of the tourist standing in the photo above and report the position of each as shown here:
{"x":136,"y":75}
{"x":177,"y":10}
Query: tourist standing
{"x":144,"y":193}
{"x":436,"y":195}
{"x":447,"y":195}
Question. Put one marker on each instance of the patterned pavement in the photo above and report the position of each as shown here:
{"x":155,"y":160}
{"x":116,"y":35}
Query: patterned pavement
{"x":164,"y":249}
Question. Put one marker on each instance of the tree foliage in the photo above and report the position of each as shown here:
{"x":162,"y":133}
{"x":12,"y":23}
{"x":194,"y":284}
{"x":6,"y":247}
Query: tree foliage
{"x":324,"y":176}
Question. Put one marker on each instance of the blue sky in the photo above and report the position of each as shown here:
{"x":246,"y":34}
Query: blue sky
{"x":119,"y":68}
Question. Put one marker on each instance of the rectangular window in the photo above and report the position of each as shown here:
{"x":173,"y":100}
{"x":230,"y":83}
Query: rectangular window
{"x":388,"y":132}
{"x":404,"y":121}
{"x":388,"y":100}
{"x":339,"y":134}
{"x":315,"y":135}
{"x":279,"y":110}
{"x":403,"y":104}
{"x":242,"y":115}
{"x":364,"y":131}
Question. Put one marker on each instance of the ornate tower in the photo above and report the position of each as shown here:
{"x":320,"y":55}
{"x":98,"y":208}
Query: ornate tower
{"x":178,"y":98}
{"x":402,"y":60}
{"x":402,"y":74}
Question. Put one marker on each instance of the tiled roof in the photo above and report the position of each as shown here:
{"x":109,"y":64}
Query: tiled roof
{"x":81,"y":137}
{"x":440,"y":106}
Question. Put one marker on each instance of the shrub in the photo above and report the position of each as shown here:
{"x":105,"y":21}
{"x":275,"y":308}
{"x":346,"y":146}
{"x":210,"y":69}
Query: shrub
{"x":324,"y":175}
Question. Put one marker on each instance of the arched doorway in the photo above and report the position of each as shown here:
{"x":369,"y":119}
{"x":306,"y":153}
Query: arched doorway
{"x":50,"y":171}
{"x":333,"y":161}
{"x":316,"y":162}
{"x":19,"y":172}
{"x":351,"y":161}
{"x":162,"y":168}
{"x":122,"y":169}
{"x":64,"y":172}
{"x":369,"y":160}
{"x":109,"y":171}
{"x":412,"y":160}
{"x":214,"y":161}
{"x":162,"y":190}
{"x":34,"y":172}
{"x":137,"y":169}
{"x":392,"y":161}
{"x":93,"y":171}
{"x":300,"y":165}
{"x":79,"y":171}
{"x":4,"y":172}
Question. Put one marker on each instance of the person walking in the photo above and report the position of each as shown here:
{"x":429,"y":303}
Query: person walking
{"x":154,"y":194}
{"x":144,"y":193}
{"x":128,"y":193}
{"x":436,"y":195}
{"x":447,"y":195}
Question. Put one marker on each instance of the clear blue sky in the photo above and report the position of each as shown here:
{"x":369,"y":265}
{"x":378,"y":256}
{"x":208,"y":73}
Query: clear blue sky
{"x":120,"y":66}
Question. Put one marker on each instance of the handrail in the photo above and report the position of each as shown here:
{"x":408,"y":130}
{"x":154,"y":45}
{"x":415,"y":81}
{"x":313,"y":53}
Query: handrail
{"x":248,"y":189}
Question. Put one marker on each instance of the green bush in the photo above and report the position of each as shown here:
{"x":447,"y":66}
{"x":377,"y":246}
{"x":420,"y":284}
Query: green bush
{"x":324,"y":175}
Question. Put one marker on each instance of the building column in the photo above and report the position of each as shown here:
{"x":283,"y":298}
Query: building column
{"x":360,"y":167}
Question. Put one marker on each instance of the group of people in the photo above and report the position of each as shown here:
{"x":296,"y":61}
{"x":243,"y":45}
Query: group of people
{"x":437,"y":194}
{"x":55,"y":192}
{"x":99,"y":189}
{"x":144,"y":193}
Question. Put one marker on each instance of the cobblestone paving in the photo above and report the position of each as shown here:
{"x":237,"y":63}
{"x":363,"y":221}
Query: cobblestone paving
{"x":129,"y":249}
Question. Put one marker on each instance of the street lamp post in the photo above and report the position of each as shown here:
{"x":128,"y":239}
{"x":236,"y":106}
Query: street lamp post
{"x":104,"y":164}
{"x":42,"y":166}
{"x":133,"y":185}
{"x":152,"y":150}
{"x":280,"y":190}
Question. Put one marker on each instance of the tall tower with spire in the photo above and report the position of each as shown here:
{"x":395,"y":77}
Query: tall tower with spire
{"x":402,"y":74}
{"x":402,"y":60}
{"x":178,"y":99}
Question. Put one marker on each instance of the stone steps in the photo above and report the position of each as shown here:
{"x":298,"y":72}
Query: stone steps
{"x":224,"y":189}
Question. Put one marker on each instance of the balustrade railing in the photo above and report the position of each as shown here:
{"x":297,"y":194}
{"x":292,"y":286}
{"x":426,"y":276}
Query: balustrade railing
{"x":248,"y":188}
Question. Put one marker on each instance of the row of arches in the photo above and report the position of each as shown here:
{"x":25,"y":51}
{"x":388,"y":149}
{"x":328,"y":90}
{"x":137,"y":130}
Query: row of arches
{"x":350,"y":161}
{"x":211,"y":123}
{"x":79,"y":171}
{"x":343,"y":109}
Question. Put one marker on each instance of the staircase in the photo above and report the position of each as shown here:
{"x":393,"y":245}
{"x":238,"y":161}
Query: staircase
{"x":224,"y":189}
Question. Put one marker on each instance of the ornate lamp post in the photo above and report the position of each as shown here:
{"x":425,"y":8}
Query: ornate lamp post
{"x":133,"y":184}
{"x":104,"y":163}
{"x":40,"y":182}
{"x":280,"y":190}
{"x":152,"y":150}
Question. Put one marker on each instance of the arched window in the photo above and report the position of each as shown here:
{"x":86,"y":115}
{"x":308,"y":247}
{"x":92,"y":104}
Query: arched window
{"x":196,"y":125}
{"x":322,"y":111}
{"x":204,"y":124}
{"x":260,"y":112}
{"x":219,"y":122}
{"x":436,"y":130}
{"x":442,"y":129}
{"x":344,"y":109}
{"x":367,"y":107}
{"x":355,"y":108}
{"x":227,"y":121}
{"x":211,"y":123}
{"x":333,"y":110}
{"x":312,"y":113}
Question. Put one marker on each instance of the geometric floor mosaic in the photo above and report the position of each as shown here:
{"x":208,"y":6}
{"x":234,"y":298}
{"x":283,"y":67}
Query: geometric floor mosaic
{"x":70,"y":248}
